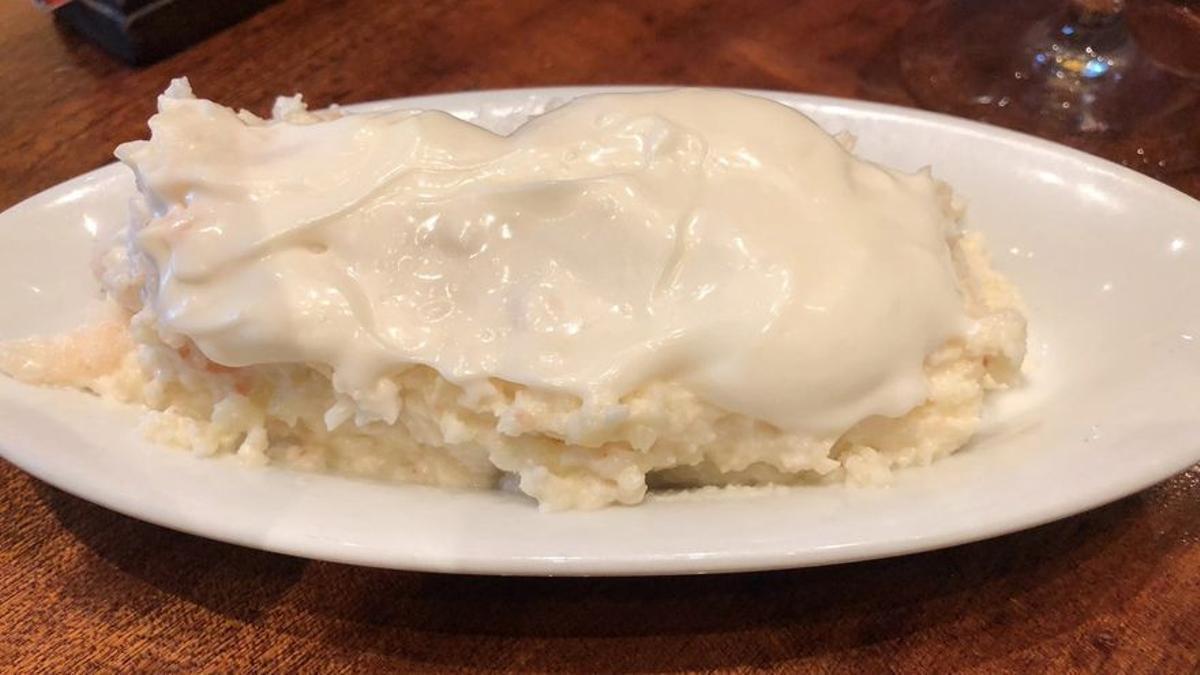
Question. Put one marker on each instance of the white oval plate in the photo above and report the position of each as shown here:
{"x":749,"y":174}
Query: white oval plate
{"x":1106,"y":258}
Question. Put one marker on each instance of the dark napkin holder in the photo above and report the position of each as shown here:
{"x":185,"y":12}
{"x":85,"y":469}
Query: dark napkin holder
{"x":143,"y":31}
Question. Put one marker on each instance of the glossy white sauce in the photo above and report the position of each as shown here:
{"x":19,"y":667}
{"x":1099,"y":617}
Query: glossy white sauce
{"x":719,"y":240}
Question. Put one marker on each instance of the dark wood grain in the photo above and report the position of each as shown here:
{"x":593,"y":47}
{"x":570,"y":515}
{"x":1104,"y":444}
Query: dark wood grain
{"x":84,"y":589}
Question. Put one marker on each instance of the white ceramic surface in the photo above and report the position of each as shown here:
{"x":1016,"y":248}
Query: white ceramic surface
{"x":1106,"y":258}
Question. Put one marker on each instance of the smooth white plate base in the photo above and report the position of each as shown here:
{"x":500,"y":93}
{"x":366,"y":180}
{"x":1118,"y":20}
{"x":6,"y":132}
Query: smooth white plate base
{"x":1106,"y":258}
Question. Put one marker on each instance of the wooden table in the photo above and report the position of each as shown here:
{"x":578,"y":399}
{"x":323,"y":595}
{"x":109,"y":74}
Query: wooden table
{"x":81,"y":588}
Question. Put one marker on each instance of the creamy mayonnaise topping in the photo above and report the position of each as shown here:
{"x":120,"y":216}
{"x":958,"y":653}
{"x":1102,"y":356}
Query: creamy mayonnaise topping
{"x":718,"y":240}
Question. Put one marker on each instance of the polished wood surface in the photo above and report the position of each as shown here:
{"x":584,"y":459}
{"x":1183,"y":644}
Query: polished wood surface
{"x":84,"y":589}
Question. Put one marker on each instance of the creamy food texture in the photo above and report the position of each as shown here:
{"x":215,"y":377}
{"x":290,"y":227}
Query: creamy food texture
{"x":713,"y":239}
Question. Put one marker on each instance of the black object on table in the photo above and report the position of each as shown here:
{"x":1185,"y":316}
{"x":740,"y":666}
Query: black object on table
{"x":143,"y":31}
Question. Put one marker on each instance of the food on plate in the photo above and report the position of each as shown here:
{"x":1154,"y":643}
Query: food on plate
{"x":679,"y":288}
